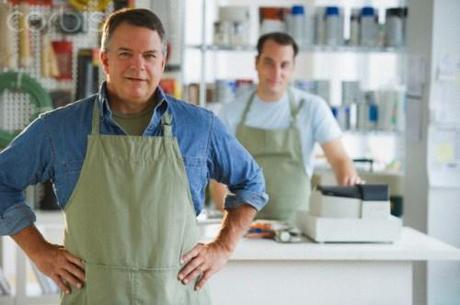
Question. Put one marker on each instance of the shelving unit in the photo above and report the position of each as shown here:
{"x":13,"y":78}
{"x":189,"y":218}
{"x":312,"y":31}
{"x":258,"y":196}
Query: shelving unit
{"x":313,"y":49}
{"x":318,"y":62}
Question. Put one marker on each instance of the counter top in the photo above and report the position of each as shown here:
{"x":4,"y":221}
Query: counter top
{"x":412,"y":246}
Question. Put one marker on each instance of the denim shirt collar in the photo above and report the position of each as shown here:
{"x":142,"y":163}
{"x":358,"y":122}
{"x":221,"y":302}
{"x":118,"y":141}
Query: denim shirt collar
{"x":160,"y":108}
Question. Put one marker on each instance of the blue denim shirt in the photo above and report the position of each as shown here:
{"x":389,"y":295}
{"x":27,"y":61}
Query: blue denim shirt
{"x":54,"y":146}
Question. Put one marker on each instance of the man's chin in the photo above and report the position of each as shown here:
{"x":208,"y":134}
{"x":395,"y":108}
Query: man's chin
{"x":276,"y":90}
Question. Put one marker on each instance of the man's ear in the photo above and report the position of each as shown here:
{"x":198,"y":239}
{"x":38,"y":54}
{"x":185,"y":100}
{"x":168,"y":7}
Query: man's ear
{"x":163,"y":64}
{"x":103,"y":58}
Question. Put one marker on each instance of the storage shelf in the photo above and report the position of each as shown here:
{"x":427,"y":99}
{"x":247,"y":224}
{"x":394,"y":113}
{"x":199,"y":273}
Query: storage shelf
{"x":372,"y":132}
{"x":324,"y":49}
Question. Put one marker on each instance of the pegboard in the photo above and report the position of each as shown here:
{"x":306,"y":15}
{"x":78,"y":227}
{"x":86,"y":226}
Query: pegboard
{"x":15,"y":111}
{"x":15,"y":108}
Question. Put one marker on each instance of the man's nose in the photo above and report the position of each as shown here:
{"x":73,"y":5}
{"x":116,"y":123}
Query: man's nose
{"x":277,"y":71}
{"x":138,"y":62}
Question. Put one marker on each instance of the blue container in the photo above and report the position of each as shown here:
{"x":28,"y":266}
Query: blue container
{"x":297,"y":10}
{"x":367,"y":11}
{"x":332,"y":10}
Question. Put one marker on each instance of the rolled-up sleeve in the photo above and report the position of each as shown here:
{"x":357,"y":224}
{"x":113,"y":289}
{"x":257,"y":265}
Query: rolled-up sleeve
{"x":26,"y":161}
{"x":230,"y":163}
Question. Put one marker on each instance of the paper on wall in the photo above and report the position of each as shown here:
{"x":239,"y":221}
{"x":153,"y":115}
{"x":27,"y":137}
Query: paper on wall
{"x":444,"y":156}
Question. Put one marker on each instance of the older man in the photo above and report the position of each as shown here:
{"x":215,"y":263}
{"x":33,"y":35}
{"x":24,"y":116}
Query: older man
{"x":129,"y":167}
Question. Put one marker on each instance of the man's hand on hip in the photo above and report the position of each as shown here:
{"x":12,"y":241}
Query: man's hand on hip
{"x":52,"y":260}
{"x":206,"y":259}
{"x":203,"y":261}
{"x":61,"y":266}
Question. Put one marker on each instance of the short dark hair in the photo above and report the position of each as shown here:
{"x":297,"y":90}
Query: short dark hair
{"x":278,"y":37}
{"x":137,"y":17}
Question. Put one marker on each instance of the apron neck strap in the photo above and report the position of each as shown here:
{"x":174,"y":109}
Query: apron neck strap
{"x":96,"y":121}
{"x":248,"y":106}
{"x":295,"y":110}
{"x":166,"y":123}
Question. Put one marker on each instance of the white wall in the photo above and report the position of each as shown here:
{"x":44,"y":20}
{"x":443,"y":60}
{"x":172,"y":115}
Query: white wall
{"x":433,"y":31}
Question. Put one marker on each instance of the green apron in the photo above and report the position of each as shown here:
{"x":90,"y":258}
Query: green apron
{"x":130,"y":218}
{"x":279,"y":153}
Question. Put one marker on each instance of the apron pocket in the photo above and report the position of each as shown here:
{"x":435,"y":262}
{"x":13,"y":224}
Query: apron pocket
{"x":159,"y":287}
{"x":108,"y":285}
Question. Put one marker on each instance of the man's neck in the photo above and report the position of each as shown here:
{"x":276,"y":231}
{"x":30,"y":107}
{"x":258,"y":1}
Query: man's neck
{"x":120,"y":106}
{"x":267,"y":96}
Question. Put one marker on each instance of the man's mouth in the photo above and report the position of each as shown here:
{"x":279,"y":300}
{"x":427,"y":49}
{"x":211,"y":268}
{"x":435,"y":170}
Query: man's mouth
{"x":136,"y":79}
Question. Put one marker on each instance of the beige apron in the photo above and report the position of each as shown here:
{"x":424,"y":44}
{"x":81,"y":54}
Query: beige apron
{"x":130,"y":218}
{"x":279,"y":153}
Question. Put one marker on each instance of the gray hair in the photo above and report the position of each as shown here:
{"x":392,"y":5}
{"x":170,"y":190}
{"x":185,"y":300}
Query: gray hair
{"x":137,"y":17}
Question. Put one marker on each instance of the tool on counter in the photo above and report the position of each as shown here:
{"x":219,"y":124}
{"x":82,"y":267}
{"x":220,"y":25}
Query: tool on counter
{"x":278,"y":231}
{"x":359,"y":213}
{"x":8,"y":58}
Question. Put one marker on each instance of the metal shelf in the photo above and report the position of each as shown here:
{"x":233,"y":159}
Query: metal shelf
{"x":373,"y":132}
{"x":319,"y":49}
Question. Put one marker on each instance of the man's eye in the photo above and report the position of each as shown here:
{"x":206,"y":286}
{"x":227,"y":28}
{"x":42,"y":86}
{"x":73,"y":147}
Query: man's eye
{"x":124,"y":54}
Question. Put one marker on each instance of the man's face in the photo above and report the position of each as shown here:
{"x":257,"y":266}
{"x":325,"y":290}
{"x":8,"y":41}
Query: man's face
{"x":275,"y":66}
{"x":133,"y":63}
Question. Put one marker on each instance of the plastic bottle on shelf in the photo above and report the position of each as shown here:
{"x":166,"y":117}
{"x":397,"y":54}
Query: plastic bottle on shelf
{"x":351,"y":98}
{"x":309,"y":28}
{"x":234,"y":25}
{"x":272,"y":20}
{"x":296,"y":25}
{"x":221,"y":33}
{"x":394,"y":27}
{"x":369,"y":27}
{"x":354,"y":27}
{"x":372,"y":116}
{"x":239,"y":34}
{"x":406,"y":12}
{"x":333,"y":33}
{"x":320,"y":26}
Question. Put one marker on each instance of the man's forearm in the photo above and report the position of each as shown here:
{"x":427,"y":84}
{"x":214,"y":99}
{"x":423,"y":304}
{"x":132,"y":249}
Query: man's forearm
{"x":345,"y":172}
{"x":234,"y":225}
{"x":31,"y":241}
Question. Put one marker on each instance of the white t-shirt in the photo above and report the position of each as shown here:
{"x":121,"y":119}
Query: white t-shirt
{"x":314,"y":121}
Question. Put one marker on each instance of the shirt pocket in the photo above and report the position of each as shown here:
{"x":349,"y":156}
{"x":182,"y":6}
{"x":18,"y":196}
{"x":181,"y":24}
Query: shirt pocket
{"x":66,"y":178}
{"x":195,"y":168}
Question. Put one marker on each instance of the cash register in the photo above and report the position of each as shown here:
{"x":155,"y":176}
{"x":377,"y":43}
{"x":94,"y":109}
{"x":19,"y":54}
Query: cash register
{"x":359,"y":213}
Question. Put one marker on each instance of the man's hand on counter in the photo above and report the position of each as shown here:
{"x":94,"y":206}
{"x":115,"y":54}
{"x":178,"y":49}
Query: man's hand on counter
{"x":54,"y":261}
{"x":206,"y":259}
